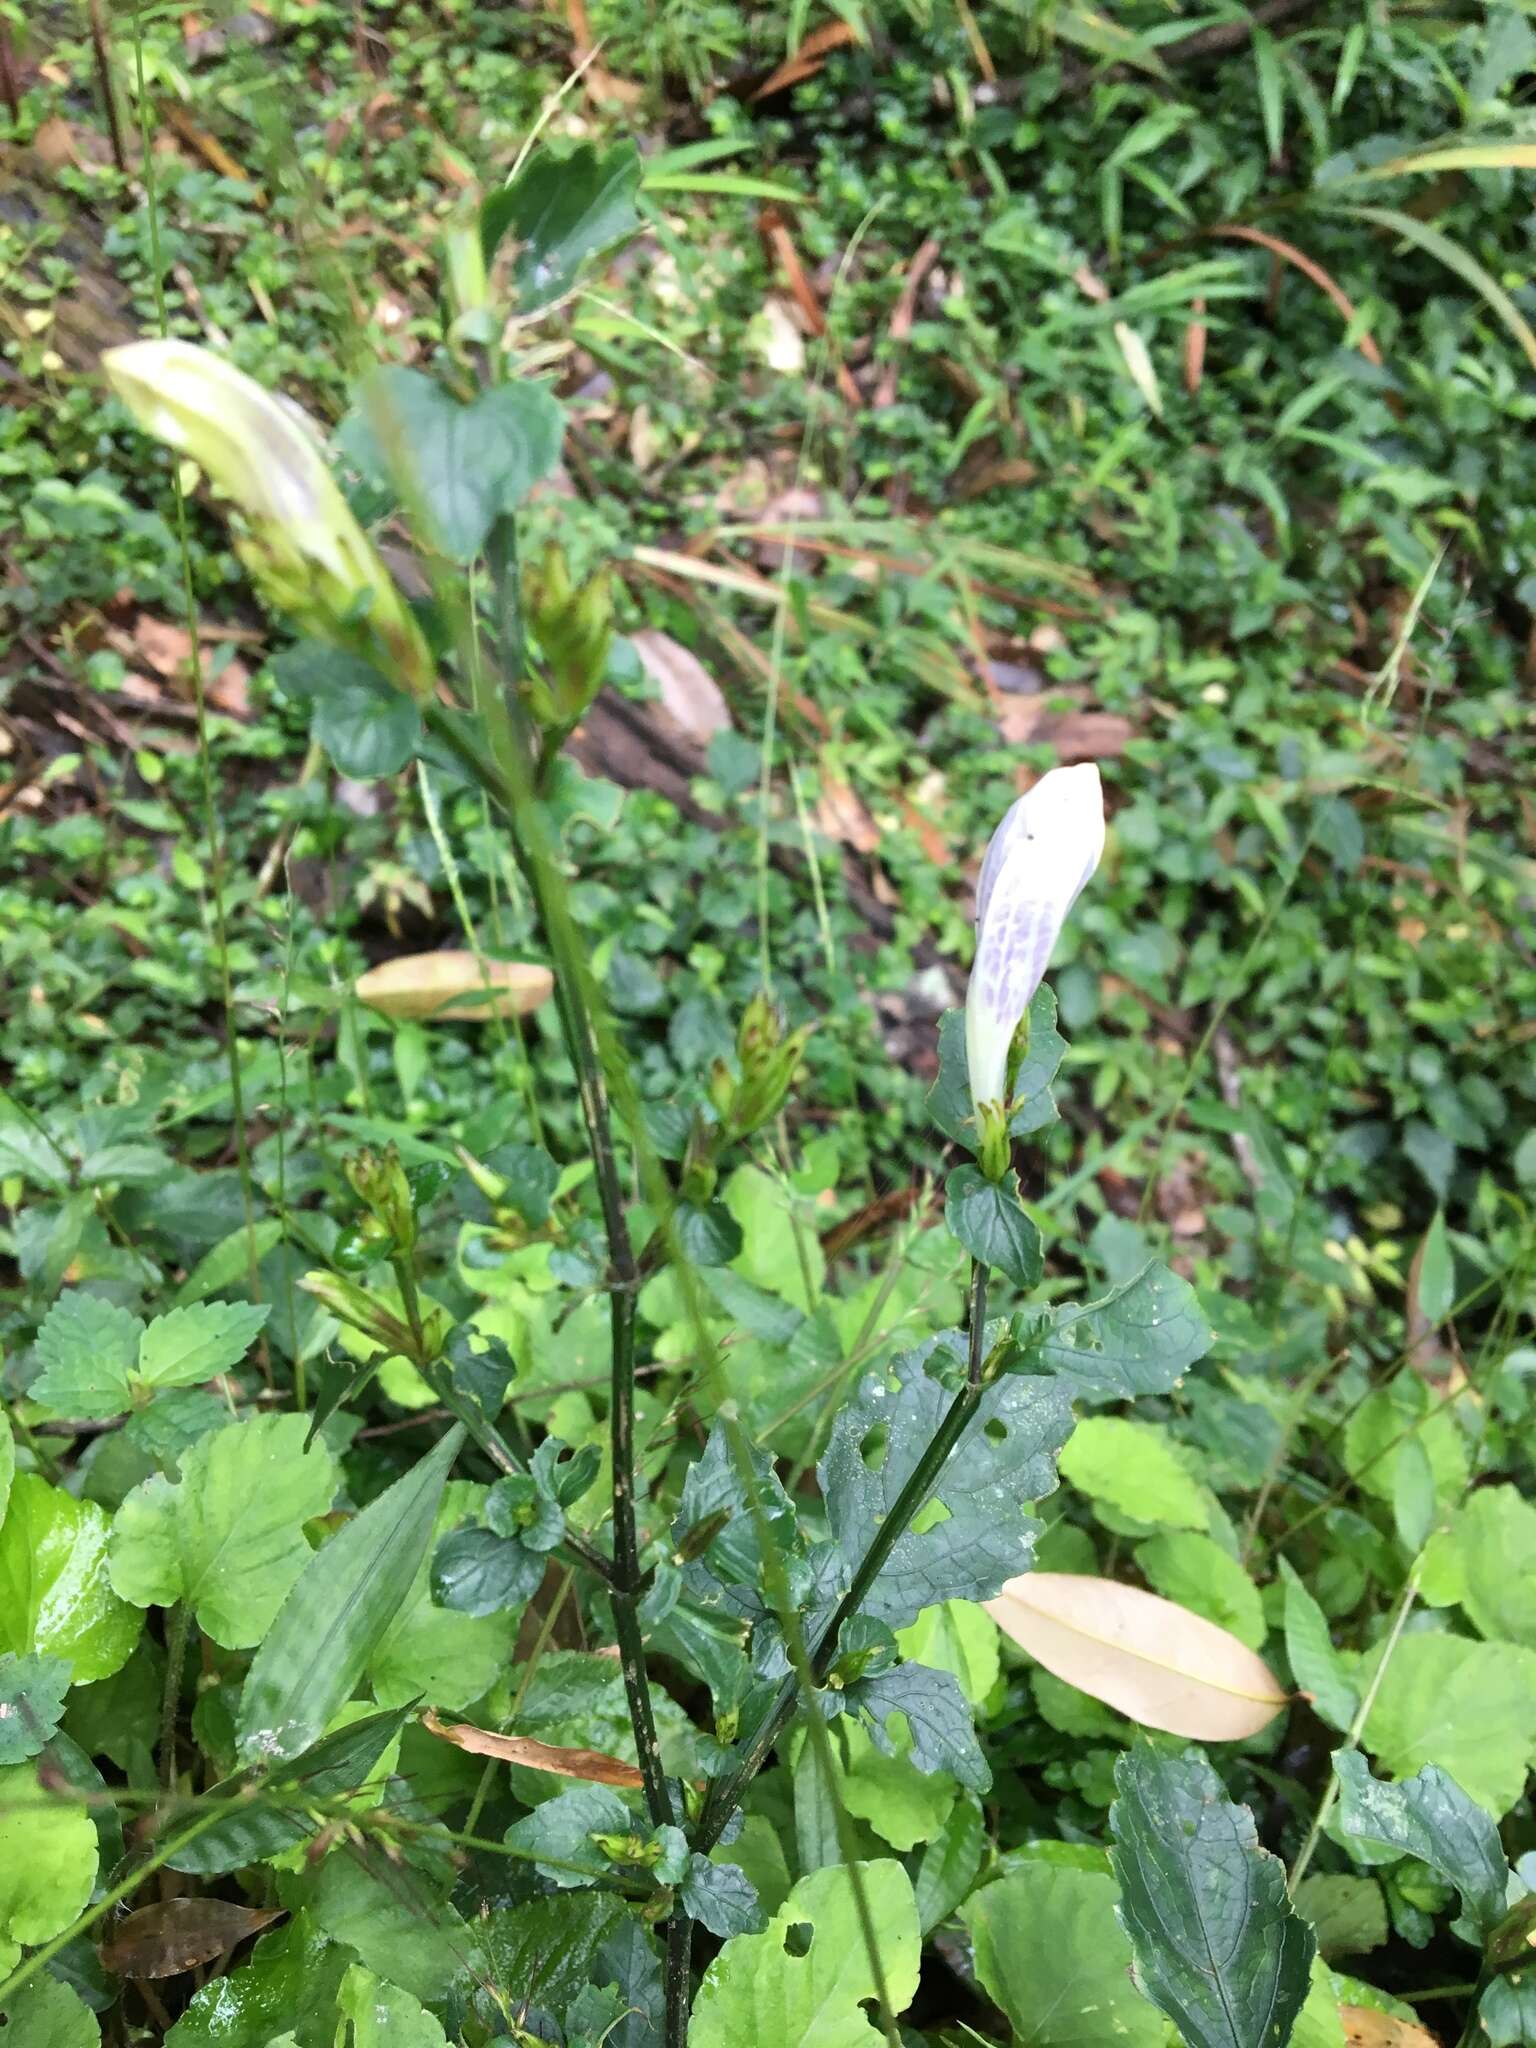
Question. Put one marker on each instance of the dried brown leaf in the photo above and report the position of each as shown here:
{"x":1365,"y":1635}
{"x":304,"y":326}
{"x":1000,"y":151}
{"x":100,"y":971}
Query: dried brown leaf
{"x":1147,"y":1657}
{"x":687,"y":688}
{"x":842,"y":814}
{"x":451,"y":985}
{"x":1366,"y":2028}
{"x":162,"y":1941}
{"x":594,"y":1765}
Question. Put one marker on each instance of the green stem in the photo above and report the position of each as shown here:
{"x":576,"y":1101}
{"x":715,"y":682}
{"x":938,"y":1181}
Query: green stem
{"x":726,"y":1792}
{"x":177,"y":1622}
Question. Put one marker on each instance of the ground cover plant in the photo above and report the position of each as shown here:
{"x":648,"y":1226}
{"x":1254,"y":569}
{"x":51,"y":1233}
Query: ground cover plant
{"x":624,"y":1418}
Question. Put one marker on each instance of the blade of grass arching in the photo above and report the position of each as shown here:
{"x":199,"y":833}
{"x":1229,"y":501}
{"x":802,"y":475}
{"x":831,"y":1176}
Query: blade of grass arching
{"x":1234,"y":231}
{"x":1468,"y":156}
{"x":200,"y":706}
{"x":1457,"y":260}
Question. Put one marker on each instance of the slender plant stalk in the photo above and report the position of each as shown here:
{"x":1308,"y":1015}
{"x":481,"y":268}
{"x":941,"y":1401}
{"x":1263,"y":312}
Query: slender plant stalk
{"x":726,"y":1793}
{"x":176,"y":1626}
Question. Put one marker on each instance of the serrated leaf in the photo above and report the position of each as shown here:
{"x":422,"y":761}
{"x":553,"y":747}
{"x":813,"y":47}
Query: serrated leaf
{"x":47,"y":1862}
{"x":716,"y":1527}
{"x":1486,"y":1562}
{"x":32,"y":1693}
{"x":228,"y":1263}
{"x":707,"y":1236}
{"x":56,"y":1599}
{"x":561,"y":210}
{"x":457,"y":468}
{"x":1316,"y":1665}
{"x":88,"y":1347}
{"x":1051,"y":1954}
{"x":1134,"y":1468}
{"x":1217,"y":1945}
{"x":721,"y":1897}
{"x":814,"y":1991}
{"x":192,"y":1344}
{"x":988,"y":1218}
{"x":1431,"y":1817}
{"x":227,"y":1537}
{"x":979,"y":1535}
{"x":1468,"y":1707}
{"x":1141,"y":1654}
{"x":338,"y":1613}
{"x":1140,"y":1339}
{"x":937,"y":1715}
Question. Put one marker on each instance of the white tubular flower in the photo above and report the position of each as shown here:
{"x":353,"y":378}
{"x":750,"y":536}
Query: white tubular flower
{"x":303,"y":545}
{"x":1036,"y":865}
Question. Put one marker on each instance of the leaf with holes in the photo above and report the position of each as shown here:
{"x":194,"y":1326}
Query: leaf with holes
{"x":1140,"y":1339}
{"x":936,"y":1713}
{"x":974,"y":1533}
{"x":1217,"y":1945}
{"x":803,"y":1982}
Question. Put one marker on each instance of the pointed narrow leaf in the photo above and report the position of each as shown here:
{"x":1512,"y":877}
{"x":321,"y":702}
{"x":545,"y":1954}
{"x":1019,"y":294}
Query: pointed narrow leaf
{"x":1217,"y":1945}
{"x":1316,"y":1665}
{"x":336,"y":1616}
{"x":1148,"y":1657}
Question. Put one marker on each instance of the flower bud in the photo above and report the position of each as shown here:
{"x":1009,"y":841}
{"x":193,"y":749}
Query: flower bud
{"x":574,"y":629}
{"x":300,"y":541}
{"x":1037,"y":864}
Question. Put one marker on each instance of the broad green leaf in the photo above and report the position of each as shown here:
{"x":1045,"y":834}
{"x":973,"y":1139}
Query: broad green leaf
{"x":1216,"y":1943}
{"x":979,"y":1535}
{"x":1507,"y":2011}
{"x":367,"y":726}
{"x":1140,"y":1339}
{"x":561,"y":210}
{"x":56,"y":1599}
{"x":385,"y":2016}
{"x":475,"y":1571}
{"x":937,"y":1715}
{"x":432,"y":1653}
{"x":89,"y":1347}
{"x":1316,"y":1665}
{"x":458,"y":468}
{"x":1436,"y":1274}
{"x":1052,"y":1955}
{"x":1194,"y":1570}
{"x":189,"y":1345}
{"x":227,"y":1537}
{"x":1468,"y":1707}
{"x":557,"y":1835}
{"x":811,"y":1994}
{"x":1132,"y":1467}
{"x":1347,"y":1914}
{"x":949,"y":1863}
{"x":286,"y":1991}
{"x":1381,"y":1425}
{"x":774,"y":1255}
{"x":717,"y":1527}
{"x":394,"y":1918}
{"x":988,"y":1218}
{"x":228,"y":1264}
{"x":1431,"y":1817}
{"x":959,"y":1637}
{"x":32,"y":1693}
{"x":1485,"y":1563}
{"x":333,"y":1621}
{"x":47,"y":1862}
{"x":707,"y":1236}
{"x":547,"y":1949}
{"x":49,"y":2014}
{"x":904,"y":1805}
{"x":949,"y":1099}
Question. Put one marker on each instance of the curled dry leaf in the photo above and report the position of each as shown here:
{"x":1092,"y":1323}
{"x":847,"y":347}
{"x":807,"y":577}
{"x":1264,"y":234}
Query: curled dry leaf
{"x":1147,"y":1657}
{"x":1366,"y":2028}
{"x":453,"y":985}
{"x":162,"y":1941}
{"x":687,"y":688}
{"x":594,"y":1765}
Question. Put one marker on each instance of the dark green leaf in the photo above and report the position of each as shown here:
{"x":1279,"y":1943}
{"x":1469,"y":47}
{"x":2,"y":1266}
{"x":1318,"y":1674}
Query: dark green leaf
{"x":48,"y":2014}
{"x":558,"y":1834}
{"x":716,"y":1511}
{"x":948,"y":1865}
{"x":483,"y":1368}
{"x":1428,"y":1816}
{"x":1140,"y":1339}
{"x":546,"y":1950}
{"x":459,"y":468}
{"x":531,"y":1178}
{"x":980,"y":1533}
{"x":475,"y":1571}
{"x":1216,"y":1943}
{"x":707,"y":1237}
{"x":288,"y":1986}
{"x":937,"y":1713}
{"x":396,"y":1918}
{"x":561,"y":210}
{"x":32,"y":1693}
{"x":721,"y":1897}
{"x":364,"y":723}
{"x":988,"y":1219}
{"x":275,"y":1816}
{"x":337,"y":1615}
